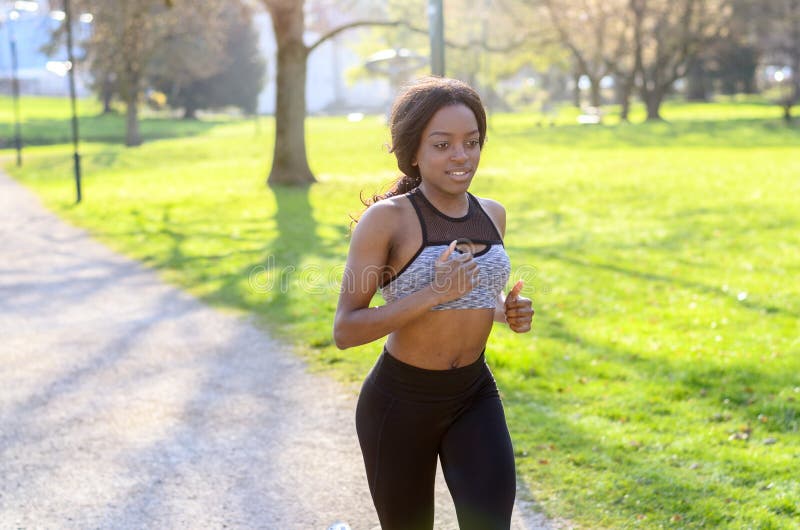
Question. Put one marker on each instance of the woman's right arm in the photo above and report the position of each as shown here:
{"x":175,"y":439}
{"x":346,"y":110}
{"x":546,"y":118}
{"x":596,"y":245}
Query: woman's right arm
{"x":356,"y":323}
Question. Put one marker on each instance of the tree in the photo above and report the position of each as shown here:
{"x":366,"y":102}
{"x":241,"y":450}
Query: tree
{"x":585,"y":29}
{"x":240,"y":75}
{"x":128,"y":37}
{"x":289,"y":161}
{"x":666,"y":34}
{"x":729,"y":63}
{"x":782,"y":48}
{"x":734,"y":64}
{"x":645,"y":44}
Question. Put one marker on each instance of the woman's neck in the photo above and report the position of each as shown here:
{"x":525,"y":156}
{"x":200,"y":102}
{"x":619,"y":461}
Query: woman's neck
{"x":453,"y":205}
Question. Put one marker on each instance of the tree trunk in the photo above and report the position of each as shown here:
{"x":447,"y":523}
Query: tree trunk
{"x":189,"y":112}
{"x":625,"y":92}
{"x":594,"y":92}
{"x":107,"y":93}
{"x":696,"y":81}
{"x":132,"y":137}
{"x":576,"y":94}
{"x":652,"y":101}
{"x":289,"y":162}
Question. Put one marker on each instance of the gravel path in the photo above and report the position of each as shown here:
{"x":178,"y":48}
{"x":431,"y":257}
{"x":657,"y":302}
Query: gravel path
{"x":126,"y":403}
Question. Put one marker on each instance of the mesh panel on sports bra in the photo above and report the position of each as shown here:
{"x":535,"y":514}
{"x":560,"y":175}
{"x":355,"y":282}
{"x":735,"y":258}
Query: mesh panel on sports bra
{"x":439,"y":228}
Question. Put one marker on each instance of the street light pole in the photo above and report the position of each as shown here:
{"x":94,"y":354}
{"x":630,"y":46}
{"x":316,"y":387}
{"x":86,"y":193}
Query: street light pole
{"x":436,"y":32}
{"x":71,"y":58}
{"x":12,"y":43}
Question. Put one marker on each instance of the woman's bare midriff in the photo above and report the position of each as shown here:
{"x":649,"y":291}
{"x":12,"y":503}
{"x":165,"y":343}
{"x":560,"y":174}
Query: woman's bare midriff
{"x":442,"y":340}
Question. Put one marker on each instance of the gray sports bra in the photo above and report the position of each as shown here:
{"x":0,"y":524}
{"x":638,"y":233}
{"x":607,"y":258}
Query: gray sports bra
{"x":438,"y":231}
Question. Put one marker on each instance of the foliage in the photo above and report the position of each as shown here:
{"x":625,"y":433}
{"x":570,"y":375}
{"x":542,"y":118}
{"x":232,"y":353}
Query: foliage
{"x":135,"y":39}
{"x":237,"y":79}
{"x":734,"y":65}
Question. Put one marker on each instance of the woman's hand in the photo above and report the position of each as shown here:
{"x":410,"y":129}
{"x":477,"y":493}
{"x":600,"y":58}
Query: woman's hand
{"x":453,"y":278}
{"x":518,"y":310}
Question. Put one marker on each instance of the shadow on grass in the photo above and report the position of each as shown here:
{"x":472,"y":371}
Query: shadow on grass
{"x":290,"y":278}
{"x":283,"y":258}
{"x":297,"y":262}
{"x":623,"y":470}
{"x":278,"y":266}
{"x":102,"y":128}
{"x":661,"y":278}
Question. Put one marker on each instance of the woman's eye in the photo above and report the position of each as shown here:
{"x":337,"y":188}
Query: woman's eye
{"x":473,"y":143}
{"x":442,"y":145}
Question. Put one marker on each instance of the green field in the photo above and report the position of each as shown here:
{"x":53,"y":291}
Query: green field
{"x":660,"y":386}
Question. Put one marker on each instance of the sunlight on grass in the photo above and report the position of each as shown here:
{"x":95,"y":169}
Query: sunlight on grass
{"x":660,"y":385}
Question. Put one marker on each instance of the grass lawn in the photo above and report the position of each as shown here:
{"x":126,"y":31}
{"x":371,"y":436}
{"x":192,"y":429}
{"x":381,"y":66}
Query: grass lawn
{"x":660,"y":386}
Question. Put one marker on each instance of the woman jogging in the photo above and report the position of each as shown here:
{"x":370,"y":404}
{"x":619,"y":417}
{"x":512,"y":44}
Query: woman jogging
{"x":436,"y":252}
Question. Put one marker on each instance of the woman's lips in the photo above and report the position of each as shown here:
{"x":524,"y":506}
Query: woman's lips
{"x":459,"y":174}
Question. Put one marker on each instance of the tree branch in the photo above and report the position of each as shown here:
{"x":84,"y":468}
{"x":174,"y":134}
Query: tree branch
{"x":477,"y":43}
{"x":332,"y":33}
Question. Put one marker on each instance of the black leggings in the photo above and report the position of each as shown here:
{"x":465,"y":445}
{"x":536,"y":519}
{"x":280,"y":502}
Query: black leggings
{"x":407,"y":416}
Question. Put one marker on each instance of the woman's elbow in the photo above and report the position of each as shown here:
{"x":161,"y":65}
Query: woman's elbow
{"x":341,"y":337}
{"x":340,"y":340}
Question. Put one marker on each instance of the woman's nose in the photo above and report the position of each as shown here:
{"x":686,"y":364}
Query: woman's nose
{"x":459,"y":153}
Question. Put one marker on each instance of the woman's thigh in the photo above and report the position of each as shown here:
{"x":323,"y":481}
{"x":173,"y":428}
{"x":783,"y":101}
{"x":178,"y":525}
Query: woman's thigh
{"x":399,"y":445}
{"x":478,"y":465}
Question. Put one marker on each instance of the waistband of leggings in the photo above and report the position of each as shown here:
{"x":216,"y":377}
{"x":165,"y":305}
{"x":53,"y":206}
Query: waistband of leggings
{"x":412,"y":382}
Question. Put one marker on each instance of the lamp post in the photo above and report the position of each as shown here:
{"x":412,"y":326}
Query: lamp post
{"x":12,"y":45}
{"x":75,"y":137}
{"x":13,"y":15}
{"x":436,"y":32}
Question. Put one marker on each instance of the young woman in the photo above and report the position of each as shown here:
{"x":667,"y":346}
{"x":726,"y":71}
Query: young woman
{"x":436,"y":252}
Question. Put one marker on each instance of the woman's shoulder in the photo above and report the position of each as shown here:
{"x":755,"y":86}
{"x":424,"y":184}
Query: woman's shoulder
{"x":491,"y":206}
{"x":385,"y":214}
{"x":388,"y":208}
{"x":495,"y":211}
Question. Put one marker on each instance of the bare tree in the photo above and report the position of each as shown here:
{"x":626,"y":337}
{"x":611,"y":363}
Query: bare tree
{"x":666,"y":34}
{"x":585,"y":29}
{"x":645,"y":44}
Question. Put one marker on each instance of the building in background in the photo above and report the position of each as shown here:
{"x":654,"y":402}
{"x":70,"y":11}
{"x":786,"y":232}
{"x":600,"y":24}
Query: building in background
{"x":31,"y":24}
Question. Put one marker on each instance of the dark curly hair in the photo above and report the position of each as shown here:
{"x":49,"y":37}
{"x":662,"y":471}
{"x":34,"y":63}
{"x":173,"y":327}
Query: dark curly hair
{"x":411,"y":112}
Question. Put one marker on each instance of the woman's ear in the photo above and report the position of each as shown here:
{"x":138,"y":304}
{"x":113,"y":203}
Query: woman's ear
{"x":414,"y":161}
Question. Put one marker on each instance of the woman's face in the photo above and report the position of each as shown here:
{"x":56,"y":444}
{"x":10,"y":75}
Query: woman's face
{"x":449,"y":150}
